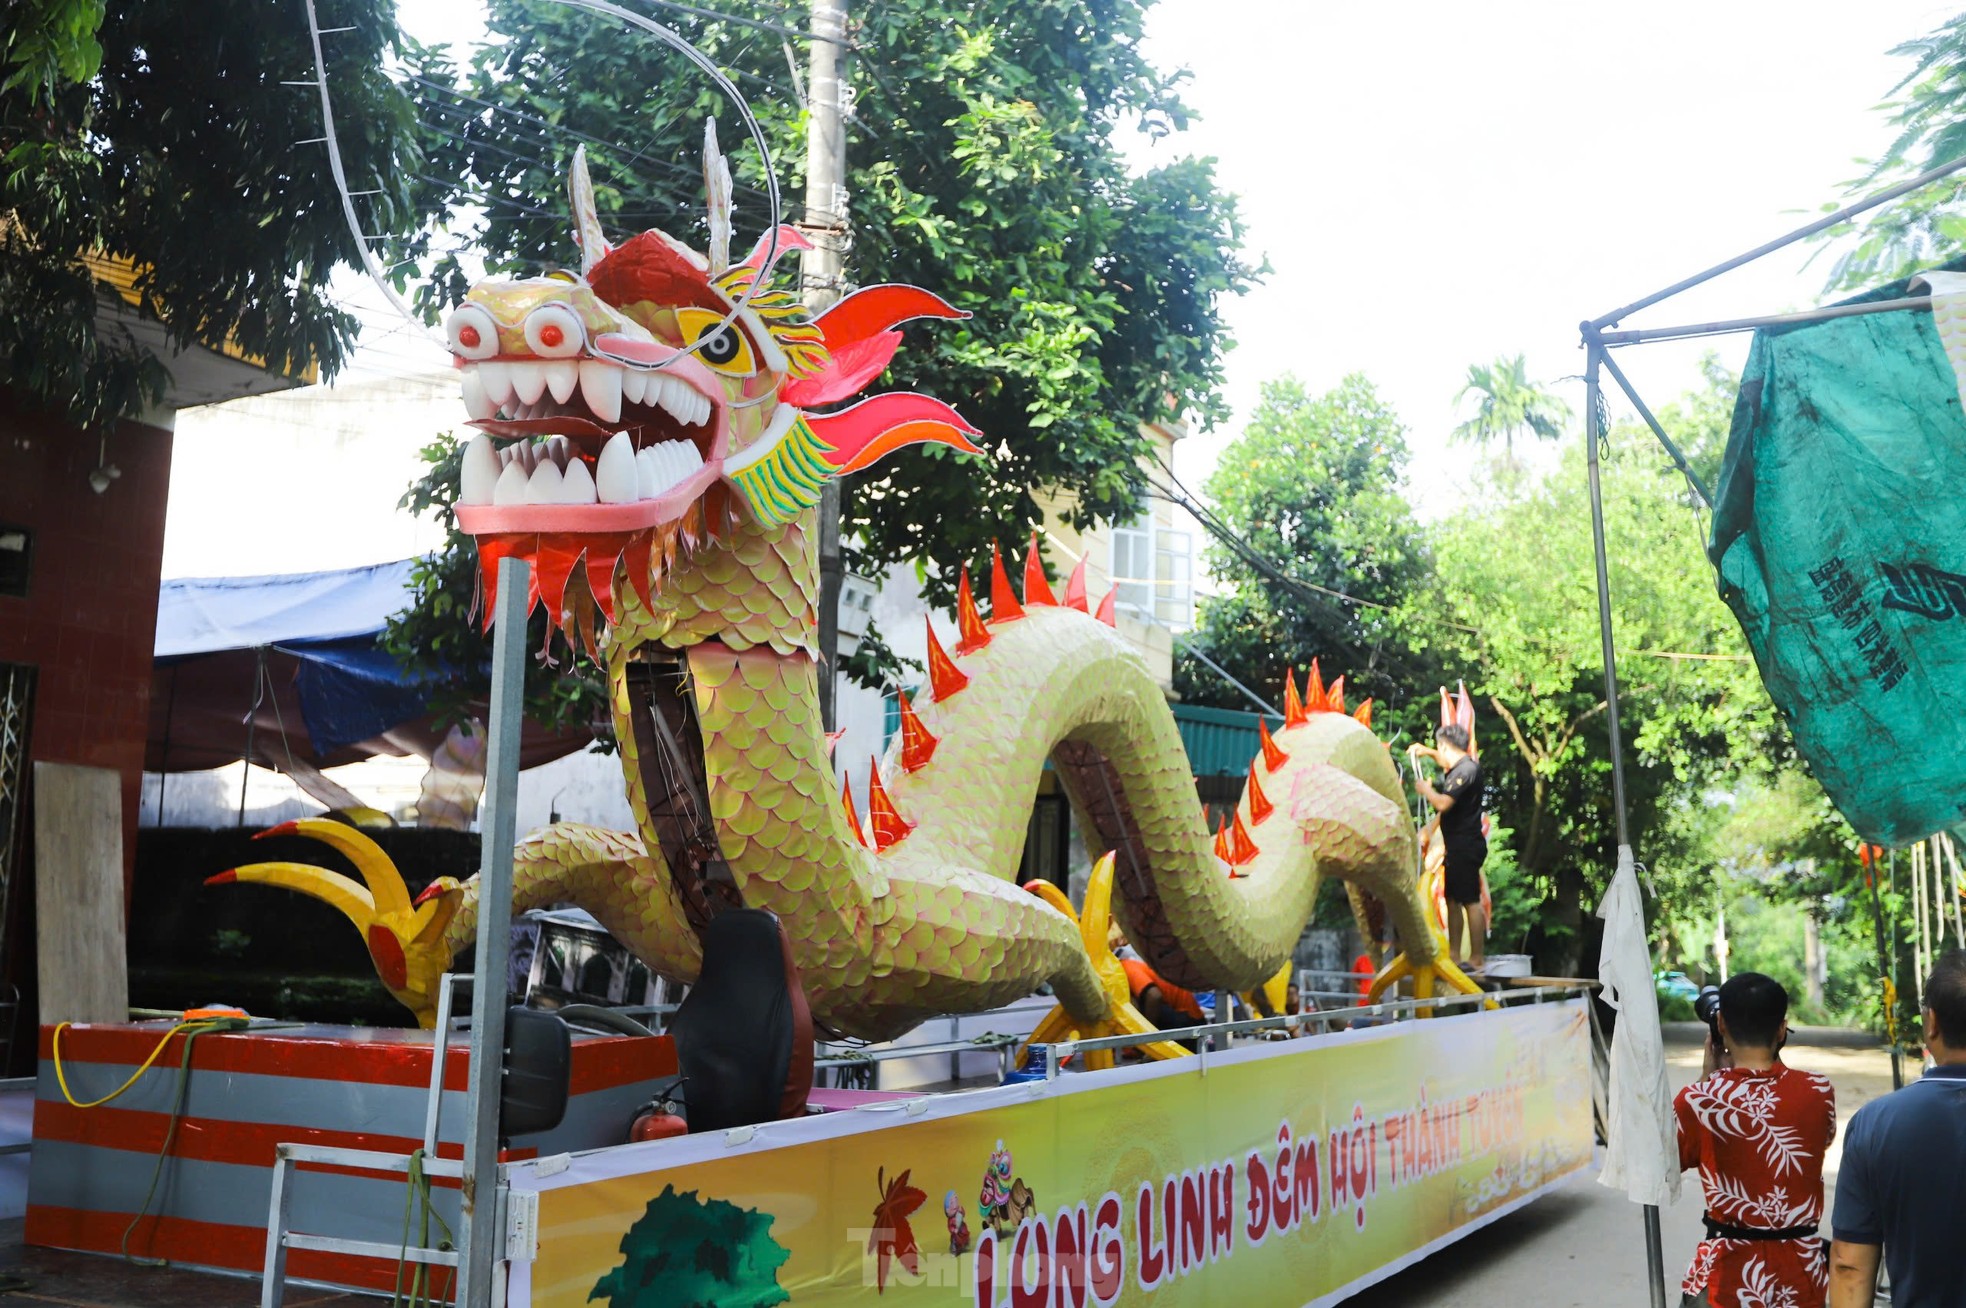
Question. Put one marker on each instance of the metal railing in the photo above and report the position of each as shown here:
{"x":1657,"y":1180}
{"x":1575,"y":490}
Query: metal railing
{"x":1206,"y":1035}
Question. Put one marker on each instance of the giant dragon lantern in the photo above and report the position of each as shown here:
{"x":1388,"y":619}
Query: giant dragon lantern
{"x":651,"y":442}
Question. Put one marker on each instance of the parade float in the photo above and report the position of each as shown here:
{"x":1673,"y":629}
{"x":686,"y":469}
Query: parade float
{"x":655,"y":430}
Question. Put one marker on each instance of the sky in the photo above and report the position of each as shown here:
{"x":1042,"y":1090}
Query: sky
{"x":1433,"y":185}
{"x":1438,"y":184}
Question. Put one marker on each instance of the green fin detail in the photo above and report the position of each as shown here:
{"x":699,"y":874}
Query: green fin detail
{"x":787,"y":481}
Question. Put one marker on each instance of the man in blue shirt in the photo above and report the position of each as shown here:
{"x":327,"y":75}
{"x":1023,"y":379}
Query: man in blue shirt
{"x":1902,"y":1185}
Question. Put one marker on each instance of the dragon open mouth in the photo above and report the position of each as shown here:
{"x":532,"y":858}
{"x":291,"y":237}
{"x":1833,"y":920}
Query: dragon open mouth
{"x":584,"y":445}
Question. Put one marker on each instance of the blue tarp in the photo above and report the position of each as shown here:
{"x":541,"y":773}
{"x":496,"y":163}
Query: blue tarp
{"x":350,"y":689}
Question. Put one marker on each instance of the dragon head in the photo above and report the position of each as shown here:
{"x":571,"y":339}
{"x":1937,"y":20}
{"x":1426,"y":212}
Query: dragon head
{"x":638,"y":408}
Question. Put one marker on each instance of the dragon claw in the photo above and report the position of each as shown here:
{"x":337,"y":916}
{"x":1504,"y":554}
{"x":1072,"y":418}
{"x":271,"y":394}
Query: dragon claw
{"x":1121,"y":1018}
{"x":405,"y":939}
{"x":1428,"y":978}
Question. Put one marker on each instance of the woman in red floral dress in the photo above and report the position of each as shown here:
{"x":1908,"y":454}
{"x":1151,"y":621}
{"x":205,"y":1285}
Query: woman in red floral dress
{"x":1757,"y":1130}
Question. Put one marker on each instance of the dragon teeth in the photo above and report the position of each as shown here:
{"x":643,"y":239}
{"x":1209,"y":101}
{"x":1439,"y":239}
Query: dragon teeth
{"x":577,"y":484}
{"x":476,"y":403}
{"x":496,"y":381}
{"x":561,"y":378}
{"x":478,"y":481}
{"x":634,"y":385}
{"x":512,"y":484}
{"x":615,"y":479}
{"x":601,"y":387}
{"x":528,"y":381}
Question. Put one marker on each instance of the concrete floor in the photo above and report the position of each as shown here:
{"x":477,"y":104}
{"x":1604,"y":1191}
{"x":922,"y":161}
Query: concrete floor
{"x":31,"y":1277}
{"x":1584,"y":1244}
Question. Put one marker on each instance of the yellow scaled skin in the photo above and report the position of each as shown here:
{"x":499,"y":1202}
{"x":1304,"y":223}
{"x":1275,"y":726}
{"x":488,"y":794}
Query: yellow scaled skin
{"x":933,"y":924}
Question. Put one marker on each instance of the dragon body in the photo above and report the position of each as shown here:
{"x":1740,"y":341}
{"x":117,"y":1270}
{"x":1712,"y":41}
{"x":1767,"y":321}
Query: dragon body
{"x":649,"y":449}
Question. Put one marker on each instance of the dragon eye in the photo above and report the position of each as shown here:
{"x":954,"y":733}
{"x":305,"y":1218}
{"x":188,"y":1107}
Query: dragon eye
{"x":725,"y":349}
{"x":555,"y":332}
{"x":472,"y":332}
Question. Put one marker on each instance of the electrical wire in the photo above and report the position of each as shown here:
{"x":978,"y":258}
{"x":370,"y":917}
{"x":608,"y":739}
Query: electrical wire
{"x":61,"y":1078}
{"x":772,"y":242}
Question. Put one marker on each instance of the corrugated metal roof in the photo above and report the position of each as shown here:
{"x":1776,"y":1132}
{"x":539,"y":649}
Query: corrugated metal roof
{"x":1220,"y":742}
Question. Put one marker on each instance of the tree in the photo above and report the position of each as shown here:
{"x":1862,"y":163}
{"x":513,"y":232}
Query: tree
{"x":984,"y":165}
{"x":160,"y":134}
{"x":1516,"y":584}
{"x":1509,"y":403}
{"x":1928,"y":109}
{"x":1313,"y":486}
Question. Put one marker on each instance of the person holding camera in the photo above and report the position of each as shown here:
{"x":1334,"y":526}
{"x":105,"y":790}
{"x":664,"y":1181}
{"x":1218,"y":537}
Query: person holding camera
{"x":1757,"y":1130}
{"x":1902,"y":1183}
{"x":1458,"y":801}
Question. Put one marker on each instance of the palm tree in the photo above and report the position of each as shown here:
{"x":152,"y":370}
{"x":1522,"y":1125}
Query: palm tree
{"x":1509,"y":403}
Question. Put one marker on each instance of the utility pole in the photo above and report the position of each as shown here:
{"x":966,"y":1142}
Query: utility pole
{"x":826,"y":227}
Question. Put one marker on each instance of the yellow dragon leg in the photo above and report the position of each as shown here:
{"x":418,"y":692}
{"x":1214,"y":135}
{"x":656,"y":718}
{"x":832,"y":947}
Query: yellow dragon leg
{"x":1427,"y":977}
{"x":412,"y":942}
{"x":1122,"y":1018}
{"x":405,"y":939}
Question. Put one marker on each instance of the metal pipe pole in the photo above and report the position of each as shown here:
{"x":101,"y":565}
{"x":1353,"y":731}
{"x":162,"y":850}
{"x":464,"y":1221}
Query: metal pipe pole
{"x":482,"y":1242}
{"x":826,"y":226}
{"x":1659,"y":432}
{"x":1809,"y":229}
{"x":1722,"y":326}
{"x":1655,"y":1260}
{"x":252,"y":725}
{"x":1884,"y":970}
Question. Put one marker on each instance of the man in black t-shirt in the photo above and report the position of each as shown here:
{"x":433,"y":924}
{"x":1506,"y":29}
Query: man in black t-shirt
{"x":1458,"y":801}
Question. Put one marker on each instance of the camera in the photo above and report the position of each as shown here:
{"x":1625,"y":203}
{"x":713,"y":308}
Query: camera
{"x":1706,"y":1006}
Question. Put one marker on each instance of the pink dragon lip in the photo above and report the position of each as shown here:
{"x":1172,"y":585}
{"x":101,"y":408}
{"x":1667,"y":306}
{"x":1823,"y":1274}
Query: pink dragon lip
{"x":572,"y":519}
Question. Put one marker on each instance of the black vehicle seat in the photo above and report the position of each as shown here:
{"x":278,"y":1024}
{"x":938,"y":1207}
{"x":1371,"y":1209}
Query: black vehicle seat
{"x":744,"y":1032}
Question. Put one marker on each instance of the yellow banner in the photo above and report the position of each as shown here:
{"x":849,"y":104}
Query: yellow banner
{"x":1282,"y":1173}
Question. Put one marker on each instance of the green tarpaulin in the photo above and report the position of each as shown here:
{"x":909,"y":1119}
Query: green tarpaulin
{"x":1840,"y":536}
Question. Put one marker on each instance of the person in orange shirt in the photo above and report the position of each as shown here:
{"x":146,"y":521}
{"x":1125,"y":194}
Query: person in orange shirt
{"x":1159,"y":1000}
{"x":1362,"y":966}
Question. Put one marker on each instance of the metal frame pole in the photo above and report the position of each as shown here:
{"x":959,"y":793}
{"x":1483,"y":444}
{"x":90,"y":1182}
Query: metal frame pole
{"x":1655,"y":1262}
{"x":1809,"y":229}
{"x":481,"y":1240}
{"x":827,"y":225}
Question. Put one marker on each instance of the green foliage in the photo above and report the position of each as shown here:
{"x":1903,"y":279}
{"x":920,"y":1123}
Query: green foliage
{"x":440,"y":634}
{"x":1314,"y":485}
{"x":1928,"y":109}
{"x":1516,"y":901}
{"x":160,"y":133}
{"x":687,"y":1252}
{"x":1516,"y":586}
{"x":1676,"y":1008}
{"x":45,"y":44}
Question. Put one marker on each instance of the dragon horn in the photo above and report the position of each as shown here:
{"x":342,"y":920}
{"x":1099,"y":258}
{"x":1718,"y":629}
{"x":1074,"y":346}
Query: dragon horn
{"x":387,"y":892}
{"x":330,"y":888}
{"x":586,"y":221}
{"x":717,"y":190}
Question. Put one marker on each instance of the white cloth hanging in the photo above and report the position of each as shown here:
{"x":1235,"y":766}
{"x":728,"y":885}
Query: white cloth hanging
{"x":1642,"y":1158}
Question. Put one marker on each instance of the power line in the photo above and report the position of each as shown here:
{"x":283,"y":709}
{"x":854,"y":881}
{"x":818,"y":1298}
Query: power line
{"x":1242,"y":549}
